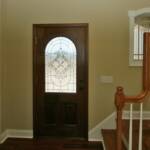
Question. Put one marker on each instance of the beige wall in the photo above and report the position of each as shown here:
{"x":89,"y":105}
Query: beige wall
{"x":0,"y":66}
{"x":108,"y":52}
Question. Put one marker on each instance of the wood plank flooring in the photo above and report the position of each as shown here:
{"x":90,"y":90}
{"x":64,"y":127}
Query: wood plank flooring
{"x":46,"y":144}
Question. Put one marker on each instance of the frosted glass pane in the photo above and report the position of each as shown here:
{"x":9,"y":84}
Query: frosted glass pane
{"x":60,"y":66}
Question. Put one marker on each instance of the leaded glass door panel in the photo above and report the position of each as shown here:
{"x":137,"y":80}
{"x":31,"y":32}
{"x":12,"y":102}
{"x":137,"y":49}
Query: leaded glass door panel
{"x":60,"y":66}
{"x":60,"y":80}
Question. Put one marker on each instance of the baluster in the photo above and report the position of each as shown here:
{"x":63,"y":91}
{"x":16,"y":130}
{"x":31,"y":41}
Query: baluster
{"x":141,"y":126}
{"x":130,"y":127}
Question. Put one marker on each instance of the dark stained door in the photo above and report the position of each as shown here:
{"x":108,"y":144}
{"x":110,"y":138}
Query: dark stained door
{"x":60,"y":76}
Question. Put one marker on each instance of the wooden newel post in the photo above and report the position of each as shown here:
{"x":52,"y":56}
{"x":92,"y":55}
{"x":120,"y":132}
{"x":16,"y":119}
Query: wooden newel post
{"x":119,"y":102}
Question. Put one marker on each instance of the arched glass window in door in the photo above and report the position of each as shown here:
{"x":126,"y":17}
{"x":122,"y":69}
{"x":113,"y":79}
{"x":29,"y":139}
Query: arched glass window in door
{"x":60,"y":66}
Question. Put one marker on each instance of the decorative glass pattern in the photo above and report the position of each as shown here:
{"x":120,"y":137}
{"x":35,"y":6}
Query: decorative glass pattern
{"x":60,"y":66}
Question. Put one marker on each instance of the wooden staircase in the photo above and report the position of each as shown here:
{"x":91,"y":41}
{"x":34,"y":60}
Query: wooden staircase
{"x":133,"y":134}
{"x":109,"y":135}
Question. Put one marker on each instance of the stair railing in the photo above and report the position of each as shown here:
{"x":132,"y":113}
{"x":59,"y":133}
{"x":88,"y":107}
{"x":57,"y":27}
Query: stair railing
{"x":121,"y":99}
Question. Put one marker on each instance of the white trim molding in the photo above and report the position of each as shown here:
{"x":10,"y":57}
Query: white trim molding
{"x":14,"y":133}
{"x":3,"y":137}
{"x":132,"y":14}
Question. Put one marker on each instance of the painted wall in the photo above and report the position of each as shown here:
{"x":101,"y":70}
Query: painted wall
{"x":0,"y":66}
{"x":108,"y":52}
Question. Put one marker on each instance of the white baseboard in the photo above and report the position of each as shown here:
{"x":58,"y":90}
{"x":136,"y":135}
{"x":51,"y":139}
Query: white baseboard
{"x":3,"y":137}
{"x":13,"y":133}
{"x":94,"y":134}
{"x":19,"y":133}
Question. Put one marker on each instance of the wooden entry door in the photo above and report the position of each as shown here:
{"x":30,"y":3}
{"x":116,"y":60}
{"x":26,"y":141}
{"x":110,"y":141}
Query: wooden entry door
{"x":60,"y":78}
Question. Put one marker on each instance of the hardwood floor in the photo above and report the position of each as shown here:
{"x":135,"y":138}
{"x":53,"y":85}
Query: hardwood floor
{"x":46,"y":144}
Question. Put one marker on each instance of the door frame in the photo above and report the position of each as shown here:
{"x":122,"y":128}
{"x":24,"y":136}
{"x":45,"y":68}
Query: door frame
{"x":35,"y":121}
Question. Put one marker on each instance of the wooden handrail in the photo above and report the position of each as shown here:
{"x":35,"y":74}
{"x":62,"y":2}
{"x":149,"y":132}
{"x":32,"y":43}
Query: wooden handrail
{"x":133,"y":99}
{"x":121,"y":98}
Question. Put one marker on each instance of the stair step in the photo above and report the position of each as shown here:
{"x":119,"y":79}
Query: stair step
{"x":109,"y":135}
{"x":147,"y":143}
{"x":146,"y":124}
{"x":146,"y":133}
{"x":109,"y":139}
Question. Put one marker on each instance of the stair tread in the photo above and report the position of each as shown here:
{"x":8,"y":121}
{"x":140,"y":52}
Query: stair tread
{"x":146,"y":133}
{"x":146,"y":124}
{"x":109,"y":135}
